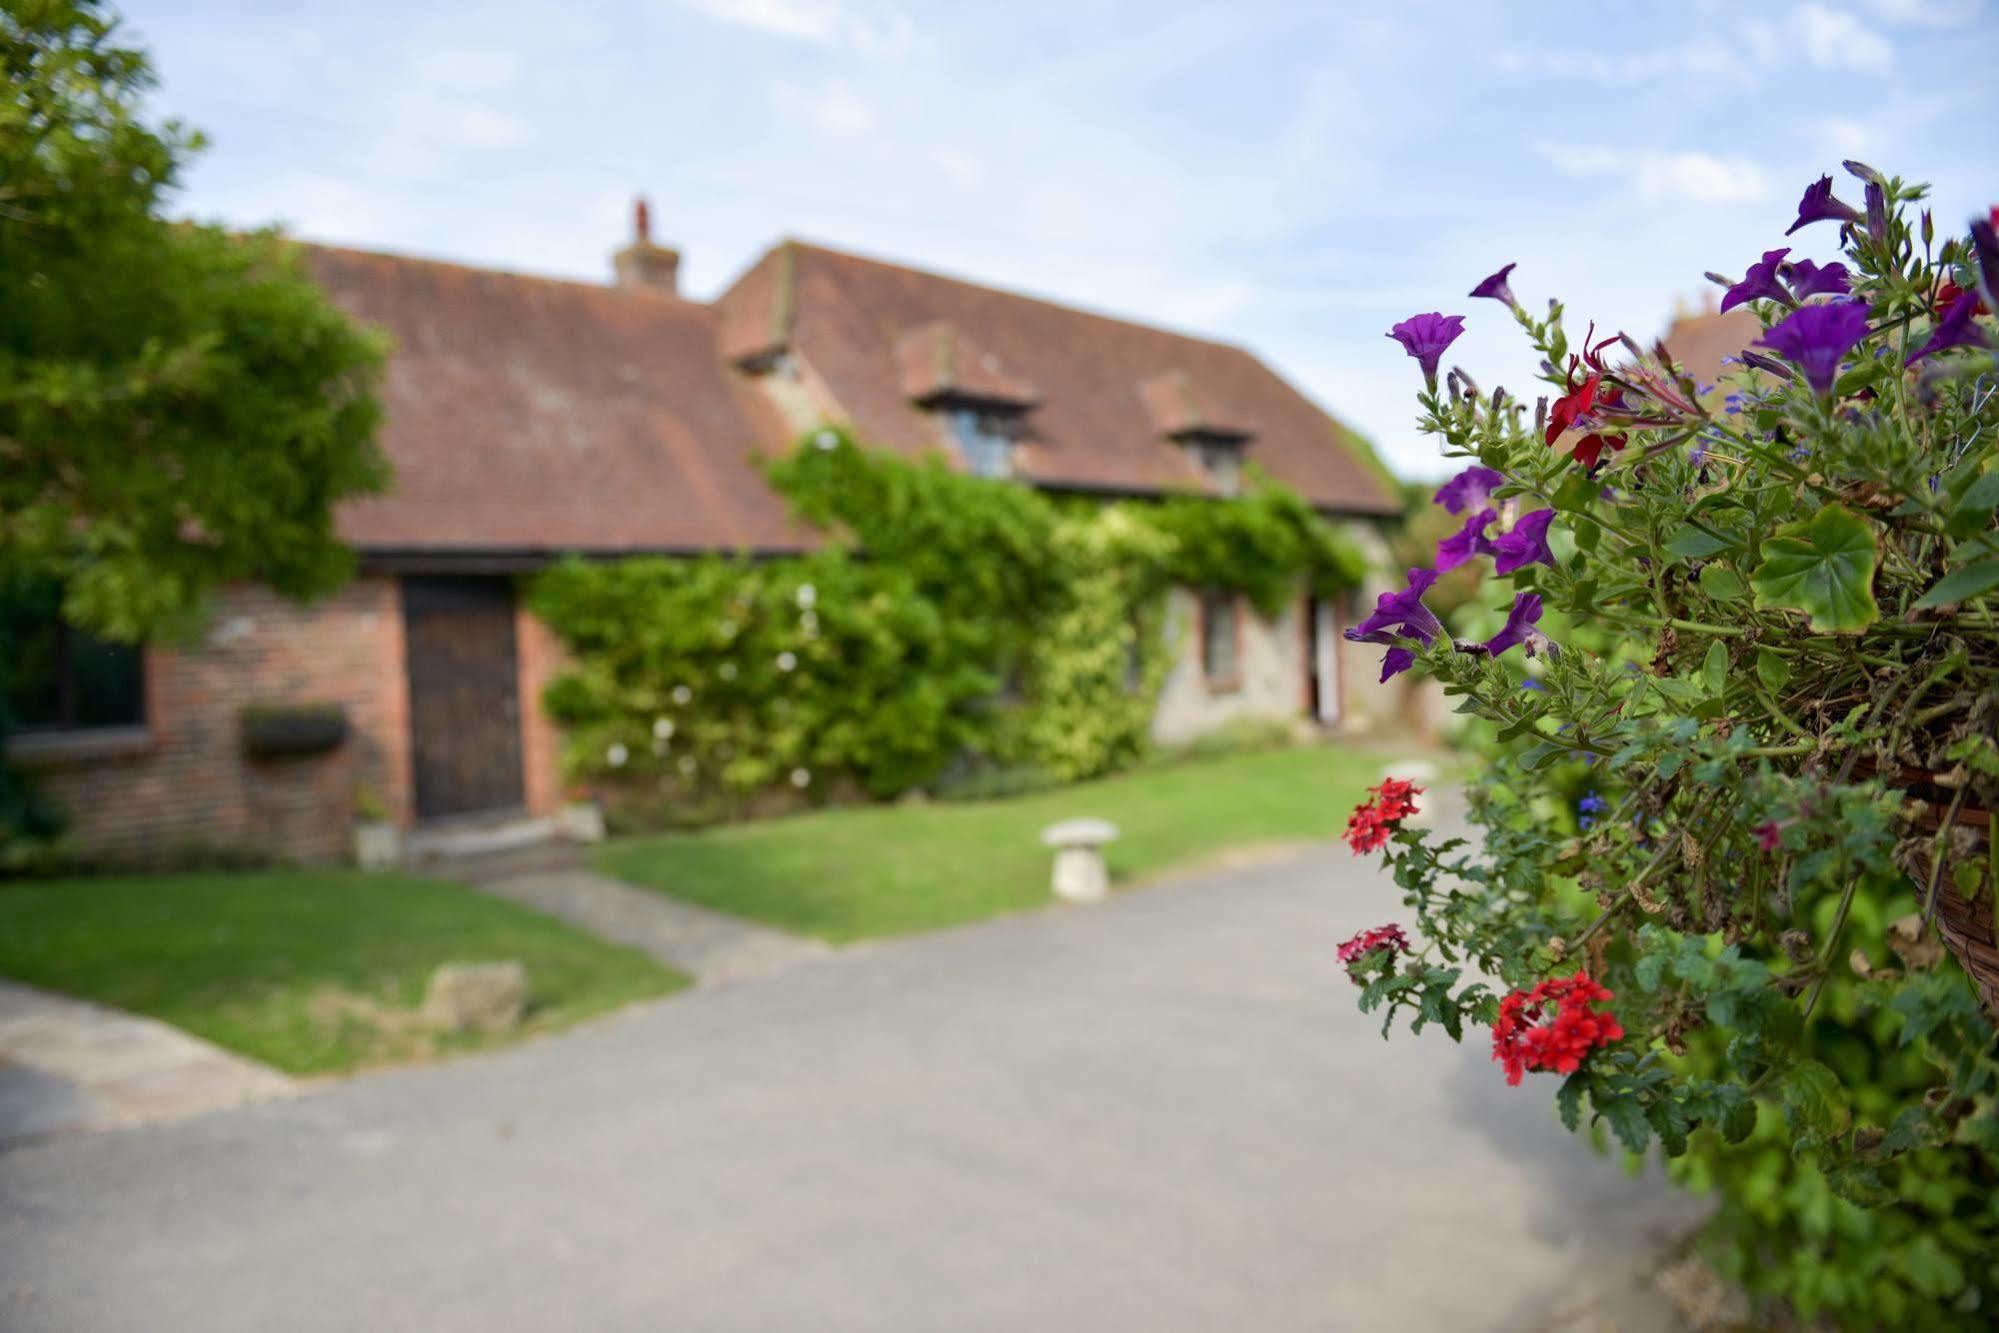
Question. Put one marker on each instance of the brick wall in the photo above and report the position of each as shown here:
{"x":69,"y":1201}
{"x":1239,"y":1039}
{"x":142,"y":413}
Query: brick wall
{"x":541,"y":656}
{"x":186,"y":780}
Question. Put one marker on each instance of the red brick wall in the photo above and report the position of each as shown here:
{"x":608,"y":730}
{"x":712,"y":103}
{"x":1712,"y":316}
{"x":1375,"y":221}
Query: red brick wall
{"x":189,"y":781}
{"x":541,"y":656}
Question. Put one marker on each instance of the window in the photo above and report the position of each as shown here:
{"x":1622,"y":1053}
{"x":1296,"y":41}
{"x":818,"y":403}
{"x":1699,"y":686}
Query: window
{"x":57,"y":678}
{"x":1221,"y":642}
{"x":1220,"y":458}
{"x":984,"y":439}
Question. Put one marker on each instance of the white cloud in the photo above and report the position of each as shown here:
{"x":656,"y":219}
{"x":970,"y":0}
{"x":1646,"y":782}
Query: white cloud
{"x":1846,"y":137}
{"x":470,"y":71}
{"x":473,"y":125}
{"x":1704,"y":57}
{"x":1928,"y":13}
{"x":823,"y":22}
{"x":834,"y":106}
{"x":1832,"y":39}
{"x":1691,"y":177}
{"x":801,"y":20}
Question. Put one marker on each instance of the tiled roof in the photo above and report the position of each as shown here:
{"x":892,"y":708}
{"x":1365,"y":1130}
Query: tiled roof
{"x":532,"y":415}
{"x":1094,"y":426}
{"x":1699,"y":342}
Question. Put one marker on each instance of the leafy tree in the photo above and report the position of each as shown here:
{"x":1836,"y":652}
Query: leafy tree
{"x":179,"y":406}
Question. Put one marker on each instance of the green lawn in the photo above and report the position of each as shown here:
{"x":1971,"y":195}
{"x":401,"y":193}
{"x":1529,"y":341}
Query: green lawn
{"x":311,"y":971}
{"x":891,"y":870}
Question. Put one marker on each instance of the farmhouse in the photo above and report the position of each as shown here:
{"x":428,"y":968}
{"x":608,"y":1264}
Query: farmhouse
{"x":529,"y":418}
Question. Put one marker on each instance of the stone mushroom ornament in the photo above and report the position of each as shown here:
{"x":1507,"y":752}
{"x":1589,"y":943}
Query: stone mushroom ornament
{"x":1080,"y":876}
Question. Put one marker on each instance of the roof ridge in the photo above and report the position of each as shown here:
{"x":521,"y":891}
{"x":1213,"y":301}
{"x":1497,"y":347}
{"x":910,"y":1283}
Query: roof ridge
{"x":512,"y":275}
{"x":1012,"y":293}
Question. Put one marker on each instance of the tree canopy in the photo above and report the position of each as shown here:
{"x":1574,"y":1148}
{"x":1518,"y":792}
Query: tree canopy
{"x":180,"y":406}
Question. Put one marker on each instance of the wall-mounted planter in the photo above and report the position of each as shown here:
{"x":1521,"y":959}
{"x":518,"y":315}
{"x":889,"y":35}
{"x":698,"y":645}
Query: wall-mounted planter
{"x":275,"y":731}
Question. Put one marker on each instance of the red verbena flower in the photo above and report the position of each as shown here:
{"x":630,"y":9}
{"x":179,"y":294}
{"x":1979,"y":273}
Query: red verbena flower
{"x":1553,"y":1027}
{"x":1769,"y":835}
{"x":1374,"y":819}
{"x":1388,"y":937}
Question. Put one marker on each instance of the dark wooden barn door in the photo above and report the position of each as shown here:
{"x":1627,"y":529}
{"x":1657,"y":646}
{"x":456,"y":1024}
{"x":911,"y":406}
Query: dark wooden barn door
{"x":465,"y":724}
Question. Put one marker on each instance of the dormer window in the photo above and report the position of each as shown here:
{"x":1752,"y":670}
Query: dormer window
{"x":982,"y":409}
{"x":1219,"y":457}
{"x":1208,"y":432}
{"x":983,"y":437}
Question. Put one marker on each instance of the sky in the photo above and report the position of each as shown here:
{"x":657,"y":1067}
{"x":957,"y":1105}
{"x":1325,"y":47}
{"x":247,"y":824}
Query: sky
{"x":1291,"y":177}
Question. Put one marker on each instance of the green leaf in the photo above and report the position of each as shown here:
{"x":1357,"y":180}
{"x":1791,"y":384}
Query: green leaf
{"x":1930,"y":1268}
{"x":1569,"y":1101}
{"x":1738,"y":1114}
{"x":1815,"y":1099}
{"x":1974,"y":510}
{"x":1824,"y":567}
{"x":1963,"y":584}
{"x":1772,"y":670}
{"x":1627,"y":1121}
{"x":1714,"y":668}
{"x":1721,"y":583}
{"x":1577,"y":493}
{"x":1692,"y":543}
{"x":1670,"y":1122}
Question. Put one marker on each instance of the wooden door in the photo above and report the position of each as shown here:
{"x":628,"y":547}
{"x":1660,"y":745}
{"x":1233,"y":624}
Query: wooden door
{"x":465,"y":722}
{"x":1322,"y":661}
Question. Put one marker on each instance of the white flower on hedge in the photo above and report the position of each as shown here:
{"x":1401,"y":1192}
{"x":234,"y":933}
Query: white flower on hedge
{"x":662,"y":728}
{"x":681,"y":694}
{"x":687,"y":764}
{"x":826,"y":439}
{"x":728,"y":628}
{"x":786,"y":661}
{"x":617,"y":754}
{"x":728,"y":671}
{"x":807,"y":595}
{"x":800,"y":778}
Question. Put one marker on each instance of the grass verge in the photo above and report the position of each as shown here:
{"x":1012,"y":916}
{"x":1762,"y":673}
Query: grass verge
{"x":853,"y":874}
{"x":311,"y":971}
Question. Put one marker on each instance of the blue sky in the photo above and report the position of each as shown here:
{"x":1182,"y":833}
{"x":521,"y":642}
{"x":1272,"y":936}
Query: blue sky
{"x":1294,"y":178}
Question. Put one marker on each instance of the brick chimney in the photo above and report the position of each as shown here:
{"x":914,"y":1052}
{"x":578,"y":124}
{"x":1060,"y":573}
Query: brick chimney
{"x":643,"y":264}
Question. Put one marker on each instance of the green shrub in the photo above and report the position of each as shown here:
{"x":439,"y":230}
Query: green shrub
{"x":952,"y":626}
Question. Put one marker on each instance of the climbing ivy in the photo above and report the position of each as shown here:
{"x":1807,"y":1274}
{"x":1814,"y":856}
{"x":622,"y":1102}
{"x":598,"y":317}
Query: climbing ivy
{"x":946,"y":618}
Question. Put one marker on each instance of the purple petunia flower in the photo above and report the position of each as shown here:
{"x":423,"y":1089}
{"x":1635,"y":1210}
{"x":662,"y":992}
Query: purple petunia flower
{"x":1496,"y":289}
{"x":1808,"y":279}
{"x":1466,"y":542}
{"x":1877,"y":212}
{"x":1400,"y":613}
{"x":1469,"y":489}
{"x":1426,"y":336}
{"x":1985,"y":245}
{"x":1760,"y":283}
{"x":1816,"y":338}
{"x":1526,"y":544}
{"x":1520,"y":629}
{"x":1818,"y":205}
{"x":1957,"y":328}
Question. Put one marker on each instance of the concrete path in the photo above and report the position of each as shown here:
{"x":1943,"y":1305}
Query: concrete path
{"x":69,"y":1065}
{"x":713,"y":947}
{"x":1157,"y":1114}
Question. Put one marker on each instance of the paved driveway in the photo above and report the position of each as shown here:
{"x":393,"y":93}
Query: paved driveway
{"x":1161,"y":1113}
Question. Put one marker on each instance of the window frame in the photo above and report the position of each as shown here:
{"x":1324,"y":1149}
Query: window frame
{"x":1229,"y":681}
{"x":965,"y":422}
{"x":67,"y":730}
